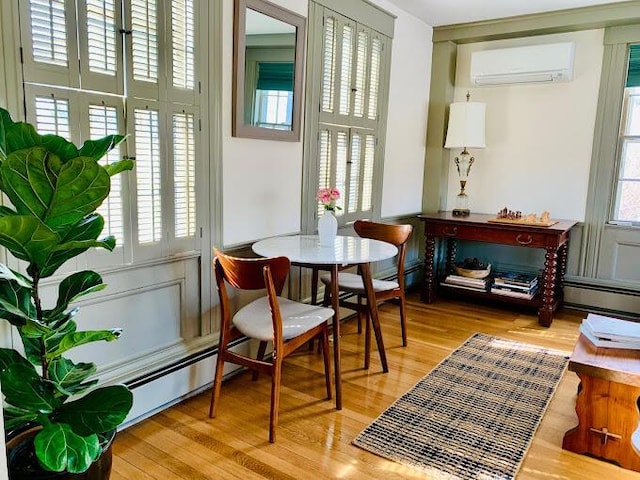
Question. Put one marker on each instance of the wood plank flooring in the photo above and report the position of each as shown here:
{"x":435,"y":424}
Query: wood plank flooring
{"x":314,"y":440}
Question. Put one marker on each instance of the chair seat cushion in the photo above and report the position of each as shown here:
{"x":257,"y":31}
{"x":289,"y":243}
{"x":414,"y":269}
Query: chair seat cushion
{"x":350,"y":282}
{"x":254,"y":320}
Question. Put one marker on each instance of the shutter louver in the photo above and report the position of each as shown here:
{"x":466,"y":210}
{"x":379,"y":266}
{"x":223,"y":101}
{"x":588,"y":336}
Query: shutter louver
{"x":184,"y":175}
{"x":374,"y":79}
{"x":49,"y":32}
{"x":103,"y":120}
{"x":354,"y":176}
{"x":367,"y":175}
{"x":345,"y":72}
{"x":342,"y":154}
{"x":361,"y":74}
{"x":144,"y":38}
{"x":328,"y":65}
{"x":52,"y":116}
{"x":101,"y":33}
{"x":324,"y":160}
{"x":148,"y":175}
{"x":183,"y":43}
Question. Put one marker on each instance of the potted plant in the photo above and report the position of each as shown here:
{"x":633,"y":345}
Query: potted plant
{"x":54,"y":188}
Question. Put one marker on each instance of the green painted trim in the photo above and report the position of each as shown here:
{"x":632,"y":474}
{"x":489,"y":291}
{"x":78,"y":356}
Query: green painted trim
{"x":363,"y":12}
{"x":587,"y":18}
{"x":604,"y":156}
{"x":436,"y":171}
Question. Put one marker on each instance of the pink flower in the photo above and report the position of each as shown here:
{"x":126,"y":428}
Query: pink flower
{"x":328,"y":196}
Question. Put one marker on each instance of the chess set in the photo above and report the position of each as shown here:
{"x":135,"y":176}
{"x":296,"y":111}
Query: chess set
{"x":516,"y":217}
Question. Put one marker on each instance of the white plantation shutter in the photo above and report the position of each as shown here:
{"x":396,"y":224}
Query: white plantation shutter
{"x":352,"y":67}
{"x":50,"y":45}
{"x":103,"y":120}
{"x":184,"y":173}
{"x":100,"y":44}
{"x":148,"y":175}
{"x":90,"y":46}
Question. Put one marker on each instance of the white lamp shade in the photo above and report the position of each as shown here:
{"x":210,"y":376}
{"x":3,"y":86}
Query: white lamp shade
{"x":466,"y":125}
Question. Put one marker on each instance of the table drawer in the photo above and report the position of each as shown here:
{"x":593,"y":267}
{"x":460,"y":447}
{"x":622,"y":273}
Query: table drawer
{"x":494,"y":235}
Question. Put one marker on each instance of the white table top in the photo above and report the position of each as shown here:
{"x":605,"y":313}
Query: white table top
{"x":306,"y":249}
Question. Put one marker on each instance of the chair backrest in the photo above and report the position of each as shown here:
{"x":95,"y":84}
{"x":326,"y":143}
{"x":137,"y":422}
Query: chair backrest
{"x":251,"y":274}
{"x":248,"y":273}
{"x":397,"y":235}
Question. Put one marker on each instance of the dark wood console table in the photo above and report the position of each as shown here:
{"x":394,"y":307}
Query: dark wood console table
{"x":554,"y":240}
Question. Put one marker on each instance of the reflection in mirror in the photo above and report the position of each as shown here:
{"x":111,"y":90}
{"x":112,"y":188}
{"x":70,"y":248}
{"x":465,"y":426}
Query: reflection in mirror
{"x":268,"y":61}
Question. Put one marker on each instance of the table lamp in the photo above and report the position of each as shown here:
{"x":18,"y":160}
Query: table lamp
{"x":466,"y":129}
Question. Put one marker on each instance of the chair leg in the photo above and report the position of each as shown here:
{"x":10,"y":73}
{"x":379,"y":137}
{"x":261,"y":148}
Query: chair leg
{"x":367,"y":341}
{"x":359,"y":314}
{"x":403,"y":321}
{"x":326,"y":355}
{"x":217,"y":382}
{"x":275,"y":395}
{"x":260,"y":356}
{"x":314,"y":286}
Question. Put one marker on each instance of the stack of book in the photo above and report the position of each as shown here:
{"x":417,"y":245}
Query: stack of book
{"x":466,"y":283}
{"x":519,"y":285}
{"x":611,"y":332}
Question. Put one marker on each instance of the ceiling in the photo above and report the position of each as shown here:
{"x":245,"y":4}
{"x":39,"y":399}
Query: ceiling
{"x":448,"y":12}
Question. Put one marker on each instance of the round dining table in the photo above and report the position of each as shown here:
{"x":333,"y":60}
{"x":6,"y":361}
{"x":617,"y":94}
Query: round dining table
{"x":306,"y":251}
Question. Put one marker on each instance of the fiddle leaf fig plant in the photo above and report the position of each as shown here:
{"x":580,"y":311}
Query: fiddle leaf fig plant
{"x":54,"y":189}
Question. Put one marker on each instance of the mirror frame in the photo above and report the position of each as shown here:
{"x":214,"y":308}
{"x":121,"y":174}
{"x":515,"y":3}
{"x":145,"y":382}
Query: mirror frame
{"x":238,"y":127}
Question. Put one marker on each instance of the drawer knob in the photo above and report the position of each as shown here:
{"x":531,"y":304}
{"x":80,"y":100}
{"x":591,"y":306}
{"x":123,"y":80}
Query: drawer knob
{"x":450,"y":231}
{"x":523,"y":239}
{"x":605,"y":434}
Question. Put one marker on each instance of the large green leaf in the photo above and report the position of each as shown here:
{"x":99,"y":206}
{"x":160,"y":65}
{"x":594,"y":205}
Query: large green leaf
{"x":76,"y":339}
{"x":9,"y":356}
{"x":20,"y":135}
{"x":97,"y":149}
{"x":15,"y":417}
{"x":27,"y":238}
{"x":99,"y":411}
{"x":75,"y":241}
{"x":81,"y":187}
{"x":24,"y":388}
{"x":15,"y":302}
{"x":77,"y":285}
{"x":7,"y":274}
{"x":68,"y":377}
{"x":58,"y":448}
{"x":118,"y":167}
{"x":61,"y":147}
{"x":5,"y":122}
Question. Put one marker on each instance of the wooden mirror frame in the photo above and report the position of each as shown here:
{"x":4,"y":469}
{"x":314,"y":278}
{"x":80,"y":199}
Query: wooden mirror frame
{"x":238,"y":127}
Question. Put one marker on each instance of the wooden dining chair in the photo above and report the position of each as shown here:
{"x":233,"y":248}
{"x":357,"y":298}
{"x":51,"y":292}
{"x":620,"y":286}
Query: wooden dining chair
{"x":270,"y":318}
{"x":397,"y":235}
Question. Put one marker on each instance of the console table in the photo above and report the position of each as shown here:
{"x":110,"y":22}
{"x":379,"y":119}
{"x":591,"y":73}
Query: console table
{"x":554,"y":240}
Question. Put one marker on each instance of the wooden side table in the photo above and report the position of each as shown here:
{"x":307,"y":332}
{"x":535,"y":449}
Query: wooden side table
{"x":606,"y":404}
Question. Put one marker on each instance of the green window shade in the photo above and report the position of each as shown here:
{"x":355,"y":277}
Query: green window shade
{"x":275,"y":76}
{"x":633,"y":73}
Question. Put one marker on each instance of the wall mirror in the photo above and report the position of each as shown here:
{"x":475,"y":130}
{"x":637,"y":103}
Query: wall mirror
{"x":268,"y":60}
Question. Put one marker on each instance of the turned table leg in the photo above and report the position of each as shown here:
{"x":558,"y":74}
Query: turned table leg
{"x":429,"y":286}
{"x":545,"y":313}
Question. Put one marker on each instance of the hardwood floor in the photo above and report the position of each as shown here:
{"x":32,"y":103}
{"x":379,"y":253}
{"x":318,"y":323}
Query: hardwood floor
{"x":314,"y":440}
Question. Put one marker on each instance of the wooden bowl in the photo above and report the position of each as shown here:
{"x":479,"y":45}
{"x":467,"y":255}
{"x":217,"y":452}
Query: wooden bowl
{"x":466,"y":272}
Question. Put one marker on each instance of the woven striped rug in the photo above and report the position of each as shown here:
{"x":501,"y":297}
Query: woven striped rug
{"x":474,"y":415}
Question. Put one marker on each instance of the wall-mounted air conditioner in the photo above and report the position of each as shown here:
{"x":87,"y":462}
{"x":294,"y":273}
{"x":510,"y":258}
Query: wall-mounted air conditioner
{"x":552,"y":62}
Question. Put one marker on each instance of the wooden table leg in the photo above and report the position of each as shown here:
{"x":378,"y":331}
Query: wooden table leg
{"x":336,"y":335}
{"x":545,"y":313}
{"x":428,"y":286}
{"x":373,"y":313}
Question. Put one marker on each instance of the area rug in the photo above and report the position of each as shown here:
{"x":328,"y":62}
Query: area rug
{"x":474,"y":415}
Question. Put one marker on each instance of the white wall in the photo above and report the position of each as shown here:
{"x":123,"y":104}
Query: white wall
{"x":262,"y":180}
{"x":539,"y":136}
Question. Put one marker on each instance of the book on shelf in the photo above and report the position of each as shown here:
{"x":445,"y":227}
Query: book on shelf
{"x":464,"y":287}
{"x":515,"y":288}
{"x":510,"y":293}
{"x":608,"y":329}
{"x":515,"y":278}
{"x":633,"y":344}
{"x":472,"y":282}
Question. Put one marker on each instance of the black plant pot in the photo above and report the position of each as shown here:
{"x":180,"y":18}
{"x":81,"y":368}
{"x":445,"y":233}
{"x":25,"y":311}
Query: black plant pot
{"x":23,"y":464}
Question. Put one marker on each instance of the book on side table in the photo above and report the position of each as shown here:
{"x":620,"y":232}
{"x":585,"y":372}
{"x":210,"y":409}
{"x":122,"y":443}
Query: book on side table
{"x":611,"y":332}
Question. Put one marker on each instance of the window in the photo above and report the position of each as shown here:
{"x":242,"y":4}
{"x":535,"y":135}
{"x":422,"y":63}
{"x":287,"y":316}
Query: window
{"x":96,"y":67}
{"x":627,"y":192}
{"x":353,"y":67}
